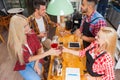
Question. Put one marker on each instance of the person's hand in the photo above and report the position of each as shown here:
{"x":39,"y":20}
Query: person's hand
{"x":37,"y":69}
{"x":59,"y":27}
{"x":65,"y":49}
{"x":89,"y":77}
{"x":42,"y":34}
{"x":55,"y":52}
{"x":62,"y":33}
{"x":57,"y":24}
{"x":78,"y":33}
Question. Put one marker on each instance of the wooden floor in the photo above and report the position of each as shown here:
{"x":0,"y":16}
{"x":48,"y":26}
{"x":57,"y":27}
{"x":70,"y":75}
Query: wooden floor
{"x":6,"y":64}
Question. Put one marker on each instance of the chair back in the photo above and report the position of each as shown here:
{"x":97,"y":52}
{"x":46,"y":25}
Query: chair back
{"x":4,"y":21}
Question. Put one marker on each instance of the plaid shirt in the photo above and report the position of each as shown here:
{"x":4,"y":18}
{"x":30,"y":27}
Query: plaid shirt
{"x":102,"y":65}
{"x":95,"y":25}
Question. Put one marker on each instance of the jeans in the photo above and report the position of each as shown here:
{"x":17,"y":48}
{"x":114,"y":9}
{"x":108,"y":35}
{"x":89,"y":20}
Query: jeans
{"x":29,"y":73}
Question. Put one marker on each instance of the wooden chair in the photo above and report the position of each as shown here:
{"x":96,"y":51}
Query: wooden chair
{"x":1,"y":37}
{"x":4,"y":23}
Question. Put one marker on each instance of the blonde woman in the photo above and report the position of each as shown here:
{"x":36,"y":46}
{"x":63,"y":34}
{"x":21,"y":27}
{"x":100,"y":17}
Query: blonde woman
{"x":24,"y":45}
{"x":99,"y":57}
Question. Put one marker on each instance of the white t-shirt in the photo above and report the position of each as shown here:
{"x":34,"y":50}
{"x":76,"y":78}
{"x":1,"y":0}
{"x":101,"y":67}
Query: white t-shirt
{"x":41,"y":26}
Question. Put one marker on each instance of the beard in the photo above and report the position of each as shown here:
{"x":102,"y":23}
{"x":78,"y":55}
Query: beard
{"x":41,"y":14}
{"x":84,"y":11}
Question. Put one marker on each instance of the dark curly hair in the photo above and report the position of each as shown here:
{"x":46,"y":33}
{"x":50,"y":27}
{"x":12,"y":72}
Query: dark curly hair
{"x":37,"y":3}
{"x":95,"y":1}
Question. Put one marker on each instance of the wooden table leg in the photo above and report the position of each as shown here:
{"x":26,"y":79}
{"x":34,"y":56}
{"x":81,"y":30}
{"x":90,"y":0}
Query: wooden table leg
{"x":1,"y":38}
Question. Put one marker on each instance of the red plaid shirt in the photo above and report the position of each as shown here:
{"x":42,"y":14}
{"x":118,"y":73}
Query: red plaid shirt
{"x":102,"y":65}
{"x":95,"y":25}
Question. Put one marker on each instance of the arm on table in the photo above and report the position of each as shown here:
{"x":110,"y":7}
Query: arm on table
{"x":47,"y":53}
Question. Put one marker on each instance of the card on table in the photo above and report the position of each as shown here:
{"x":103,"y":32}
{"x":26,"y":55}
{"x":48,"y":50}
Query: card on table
{"x":72,"y":74}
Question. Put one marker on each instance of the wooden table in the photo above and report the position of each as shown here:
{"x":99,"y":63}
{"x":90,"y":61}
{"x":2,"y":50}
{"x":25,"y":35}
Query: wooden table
{"x":69,"y":60}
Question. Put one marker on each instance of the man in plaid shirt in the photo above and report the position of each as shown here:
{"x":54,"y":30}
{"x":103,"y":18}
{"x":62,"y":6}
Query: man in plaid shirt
{"x":91,"y":22}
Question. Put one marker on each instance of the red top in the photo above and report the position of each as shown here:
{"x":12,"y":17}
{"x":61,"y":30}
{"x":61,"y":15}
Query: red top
{"x":103,"y":65}
{"x":34,"y":45}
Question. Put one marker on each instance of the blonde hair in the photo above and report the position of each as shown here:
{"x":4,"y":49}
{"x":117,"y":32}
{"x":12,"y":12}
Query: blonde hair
{"x":110,"y":38}
{"x":17,"y":37}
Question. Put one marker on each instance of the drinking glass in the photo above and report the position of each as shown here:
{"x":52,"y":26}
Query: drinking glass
{"x":54,"y":43}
